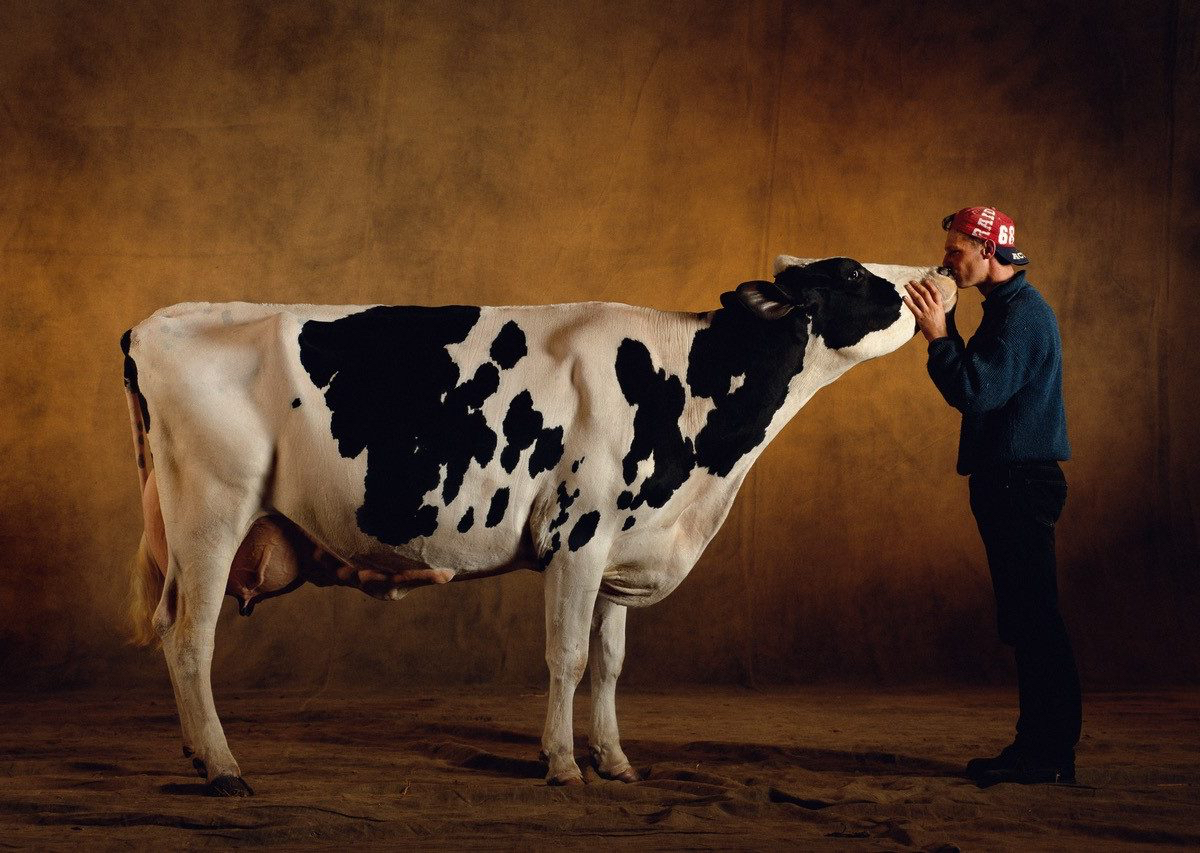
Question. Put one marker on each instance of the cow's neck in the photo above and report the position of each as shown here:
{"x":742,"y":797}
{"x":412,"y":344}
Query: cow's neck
{"x":757,"y":375}
{"x":822,"y":366}
{"x":744,"y":380}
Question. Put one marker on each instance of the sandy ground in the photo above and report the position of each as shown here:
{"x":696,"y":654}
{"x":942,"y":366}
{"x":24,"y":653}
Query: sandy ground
{"x":733,"y":769}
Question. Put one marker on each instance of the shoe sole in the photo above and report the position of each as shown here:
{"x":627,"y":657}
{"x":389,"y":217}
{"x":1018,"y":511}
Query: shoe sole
{"x":987,"y":780}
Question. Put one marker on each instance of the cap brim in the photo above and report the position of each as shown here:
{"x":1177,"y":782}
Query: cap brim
{"x":1010,"y":255}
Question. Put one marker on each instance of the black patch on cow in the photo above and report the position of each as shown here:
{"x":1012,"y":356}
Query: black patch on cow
{"x":547,"y":451}
{"x":625,"y":500}
{"x":659,"y":399}
{"x":522,"y":428}
{"x":629,"y":522}
{"x":564,"y":505}
{"x":548,"y":554}
{"x":565,"y":500}
{"x":584,"y":530}
{"x":498,"y":506}
{"x":469,"y":397}
{"x":509,"y":346}
{"x":393,"y":391}
{"x":467,"y":521}
{"x":296,"y":403}
{"x":575,"y":465}
{"x":737,"y":343}
{"x":131,"y":379}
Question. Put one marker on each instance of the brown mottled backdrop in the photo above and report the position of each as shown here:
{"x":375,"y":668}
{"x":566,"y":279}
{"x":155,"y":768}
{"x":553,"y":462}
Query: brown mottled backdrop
{"x":647,"y":152}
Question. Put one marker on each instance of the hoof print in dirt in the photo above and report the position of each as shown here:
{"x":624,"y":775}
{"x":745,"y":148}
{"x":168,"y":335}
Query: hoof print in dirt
{"x":229,"y":786}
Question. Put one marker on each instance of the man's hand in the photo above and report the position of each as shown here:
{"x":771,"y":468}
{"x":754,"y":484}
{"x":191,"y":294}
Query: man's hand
{"x":925,"y":302}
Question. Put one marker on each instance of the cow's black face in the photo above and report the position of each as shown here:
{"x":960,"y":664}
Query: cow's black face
{"x":845,"y":300}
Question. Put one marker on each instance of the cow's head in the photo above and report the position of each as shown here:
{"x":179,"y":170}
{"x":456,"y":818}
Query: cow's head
{"x":855,"y":309}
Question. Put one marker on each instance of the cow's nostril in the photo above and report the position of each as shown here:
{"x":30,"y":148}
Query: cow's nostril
{"x":946,"y":271}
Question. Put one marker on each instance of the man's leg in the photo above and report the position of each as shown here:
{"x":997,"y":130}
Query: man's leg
{"x":1049,"y":681}
{"x":1051,"y":716}
{"x":1016,"y":515}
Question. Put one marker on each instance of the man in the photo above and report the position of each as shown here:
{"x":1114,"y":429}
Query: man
{"x":1007,"y":382}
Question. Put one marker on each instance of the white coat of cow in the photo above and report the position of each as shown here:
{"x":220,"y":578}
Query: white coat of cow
{"x":390,"y":447}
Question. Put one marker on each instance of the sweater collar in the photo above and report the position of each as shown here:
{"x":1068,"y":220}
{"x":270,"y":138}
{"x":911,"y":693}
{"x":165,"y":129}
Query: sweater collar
{"x":1006,"y":291}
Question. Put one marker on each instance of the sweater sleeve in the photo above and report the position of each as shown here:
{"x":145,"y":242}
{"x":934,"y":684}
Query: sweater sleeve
{"x":984,"y":374}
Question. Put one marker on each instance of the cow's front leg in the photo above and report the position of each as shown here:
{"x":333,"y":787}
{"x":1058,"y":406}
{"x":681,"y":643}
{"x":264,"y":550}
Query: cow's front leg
{"x":606,"y":655}
{"x":571,"y":588}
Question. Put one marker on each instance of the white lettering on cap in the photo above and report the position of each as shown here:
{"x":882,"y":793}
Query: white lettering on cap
{"x":983,"y":227}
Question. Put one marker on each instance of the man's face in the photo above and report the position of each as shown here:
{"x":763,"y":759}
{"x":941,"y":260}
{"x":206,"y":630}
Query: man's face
{"x":965,"y":259}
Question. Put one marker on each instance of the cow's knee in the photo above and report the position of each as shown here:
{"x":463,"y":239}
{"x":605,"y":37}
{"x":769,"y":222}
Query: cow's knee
{"x":567,"y":664}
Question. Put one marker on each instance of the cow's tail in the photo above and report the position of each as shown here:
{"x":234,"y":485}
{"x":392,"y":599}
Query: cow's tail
{"x":145,"y":592}
{"x":146,"y":581}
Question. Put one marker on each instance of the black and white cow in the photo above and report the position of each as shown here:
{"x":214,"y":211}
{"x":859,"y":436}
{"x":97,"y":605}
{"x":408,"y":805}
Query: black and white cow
{"x":390,"y":447}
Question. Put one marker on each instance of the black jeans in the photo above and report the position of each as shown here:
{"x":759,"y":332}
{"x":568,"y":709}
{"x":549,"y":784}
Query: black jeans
{"x":1016,"y":507}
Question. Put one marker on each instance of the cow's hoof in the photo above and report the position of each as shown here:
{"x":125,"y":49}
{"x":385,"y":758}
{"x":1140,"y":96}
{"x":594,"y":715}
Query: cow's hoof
{"x":565,"y":779}
{"x":201,"y":767}
{"x":626,"y":775}
{"x":229,"y":786}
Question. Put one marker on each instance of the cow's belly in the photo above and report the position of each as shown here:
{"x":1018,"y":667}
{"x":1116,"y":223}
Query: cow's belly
{"x":276,"y":556}
{"x":448,"y":553}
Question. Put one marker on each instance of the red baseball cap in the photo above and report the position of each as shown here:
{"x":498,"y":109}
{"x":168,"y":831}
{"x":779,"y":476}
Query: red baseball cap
{"x":987,"y":223}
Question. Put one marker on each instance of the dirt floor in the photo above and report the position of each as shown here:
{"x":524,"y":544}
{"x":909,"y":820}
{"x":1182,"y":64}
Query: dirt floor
{"x":734,"y":769}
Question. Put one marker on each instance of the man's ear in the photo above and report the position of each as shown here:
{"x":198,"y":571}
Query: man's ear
{"x":989,"y":249}
{"x":764,"y":299}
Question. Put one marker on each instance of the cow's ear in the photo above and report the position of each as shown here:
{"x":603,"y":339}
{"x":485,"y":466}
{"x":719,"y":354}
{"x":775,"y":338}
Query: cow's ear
{"x":764,"y":299}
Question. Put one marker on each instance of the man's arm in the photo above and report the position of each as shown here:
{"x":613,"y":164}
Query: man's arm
{"x":979,"y":377}
{"x":974,"y":378}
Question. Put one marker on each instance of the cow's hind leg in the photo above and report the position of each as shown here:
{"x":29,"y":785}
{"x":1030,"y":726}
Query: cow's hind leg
{"x":571,"y":587}
{"x":184,"y":723}
{"x":607,"y":654}
{"x":204,"y":535}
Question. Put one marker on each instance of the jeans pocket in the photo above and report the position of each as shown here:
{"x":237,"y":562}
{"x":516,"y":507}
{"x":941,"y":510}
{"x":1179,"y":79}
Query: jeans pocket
{"x":1045,"y":499}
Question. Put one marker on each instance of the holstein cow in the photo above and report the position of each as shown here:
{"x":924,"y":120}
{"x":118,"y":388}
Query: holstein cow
{"x":391,"y":447}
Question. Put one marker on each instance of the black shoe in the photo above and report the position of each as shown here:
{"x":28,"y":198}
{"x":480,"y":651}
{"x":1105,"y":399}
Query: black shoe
{"x":1021,"y":766}
{"x":978,"y":766}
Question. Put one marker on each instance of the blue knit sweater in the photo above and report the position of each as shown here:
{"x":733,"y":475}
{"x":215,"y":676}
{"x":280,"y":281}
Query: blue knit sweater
{"x":1007,"y":381}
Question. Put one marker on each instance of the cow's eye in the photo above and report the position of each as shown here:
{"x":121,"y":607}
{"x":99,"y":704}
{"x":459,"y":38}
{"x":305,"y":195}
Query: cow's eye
{"x":854,"y":275}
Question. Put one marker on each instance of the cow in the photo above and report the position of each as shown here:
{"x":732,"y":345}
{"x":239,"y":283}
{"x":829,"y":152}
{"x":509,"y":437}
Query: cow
{"x":392,"y":447}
